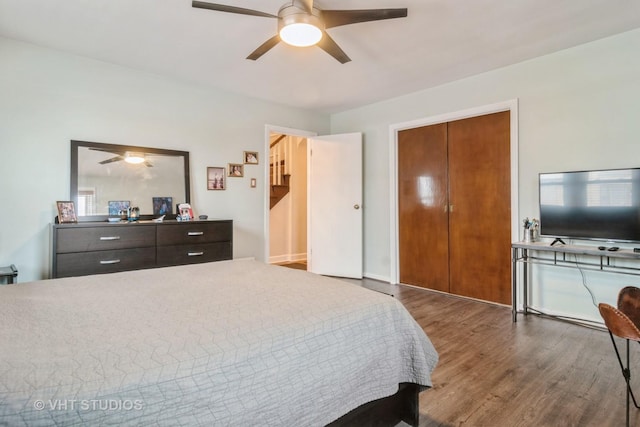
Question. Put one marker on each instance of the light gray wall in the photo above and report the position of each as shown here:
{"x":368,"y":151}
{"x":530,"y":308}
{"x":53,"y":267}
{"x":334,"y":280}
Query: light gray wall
{"x":48,"y":98}
{"x":578,"y":109}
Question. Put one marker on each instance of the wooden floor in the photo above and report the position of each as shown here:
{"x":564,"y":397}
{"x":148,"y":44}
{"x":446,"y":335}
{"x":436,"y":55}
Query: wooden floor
{"x":536,"y":372}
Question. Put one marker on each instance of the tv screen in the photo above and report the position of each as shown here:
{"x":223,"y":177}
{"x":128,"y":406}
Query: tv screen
{"x":598,"y":204}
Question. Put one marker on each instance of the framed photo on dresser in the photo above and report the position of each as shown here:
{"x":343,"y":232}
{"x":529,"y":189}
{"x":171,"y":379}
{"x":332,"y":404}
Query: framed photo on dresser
{"x":66,"y":212}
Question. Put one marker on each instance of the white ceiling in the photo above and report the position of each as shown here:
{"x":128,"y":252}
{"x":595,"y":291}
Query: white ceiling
{"x":440,"y":41}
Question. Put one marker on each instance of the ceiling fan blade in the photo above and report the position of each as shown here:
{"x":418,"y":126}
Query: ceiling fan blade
{"x":331,"y":47}
{"x":121,"y":153}
{"x":230,"y":9}
{"x":307,"y":5}
{"x":336,"y":18}
{"x":111,"y":160}
{"x":264,"y":48}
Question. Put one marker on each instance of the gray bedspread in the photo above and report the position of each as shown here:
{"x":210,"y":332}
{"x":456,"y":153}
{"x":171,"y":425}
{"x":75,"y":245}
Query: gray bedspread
{"x":225,"y":343}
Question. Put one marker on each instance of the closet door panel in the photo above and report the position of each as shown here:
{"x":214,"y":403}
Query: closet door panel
{"x":480,"y":197}
{"x":422,"y":207}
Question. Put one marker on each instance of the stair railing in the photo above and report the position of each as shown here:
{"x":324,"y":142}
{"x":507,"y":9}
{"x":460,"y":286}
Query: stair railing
{"x":280,"y":156}
{"x":280,"y":159}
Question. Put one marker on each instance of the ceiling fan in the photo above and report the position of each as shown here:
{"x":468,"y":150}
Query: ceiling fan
{"x":133,"y":157}
{"x":302,"y":23}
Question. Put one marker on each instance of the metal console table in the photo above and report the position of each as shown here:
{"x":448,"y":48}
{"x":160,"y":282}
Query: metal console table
{"x":601,"y":261}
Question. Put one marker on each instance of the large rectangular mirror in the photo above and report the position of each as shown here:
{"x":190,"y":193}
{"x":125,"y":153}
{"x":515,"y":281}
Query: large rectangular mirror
{"x":109,"y":175}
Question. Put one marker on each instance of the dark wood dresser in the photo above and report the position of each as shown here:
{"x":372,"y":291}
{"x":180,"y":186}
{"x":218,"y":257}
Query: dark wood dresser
{"x":101,"y":247}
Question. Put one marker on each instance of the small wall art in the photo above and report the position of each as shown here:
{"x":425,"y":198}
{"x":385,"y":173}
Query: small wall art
{"x":236,"y":170}
{"x":250,"y":158}
{"x":216,"y":178}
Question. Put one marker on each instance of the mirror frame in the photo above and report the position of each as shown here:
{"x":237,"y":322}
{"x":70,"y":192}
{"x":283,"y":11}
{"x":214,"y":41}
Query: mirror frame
{"x":73,"y":188}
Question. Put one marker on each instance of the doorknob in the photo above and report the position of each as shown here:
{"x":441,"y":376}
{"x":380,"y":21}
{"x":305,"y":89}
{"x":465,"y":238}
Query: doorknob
{"x":356,"y":207}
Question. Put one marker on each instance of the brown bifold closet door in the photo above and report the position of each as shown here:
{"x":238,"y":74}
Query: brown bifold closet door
{"x":423,"y":221}
{"x":454,"y":202}
{"x":480,"y":214}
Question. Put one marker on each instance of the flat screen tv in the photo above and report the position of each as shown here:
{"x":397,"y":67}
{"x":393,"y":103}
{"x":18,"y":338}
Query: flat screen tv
{"x":597,"y":204}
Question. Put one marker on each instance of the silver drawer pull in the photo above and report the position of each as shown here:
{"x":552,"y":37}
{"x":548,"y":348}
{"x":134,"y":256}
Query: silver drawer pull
{"x":109,"y":261}
{"x":109,"y":238}
{"x":195,"y":233}
{"x":195,"y":253}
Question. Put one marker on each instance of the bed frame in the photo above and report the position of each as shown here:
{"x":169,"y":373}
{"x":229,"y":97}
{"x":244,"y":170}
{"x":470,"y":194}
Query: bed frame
{"x":388,"y":411}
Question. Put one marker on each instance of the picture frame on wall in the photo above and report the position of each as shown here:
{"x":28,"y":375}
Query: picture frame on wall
{"x":216,"y":178}
{"x":250,"y":157}
{"x":66,"y":212}
{"x":236,"y":170}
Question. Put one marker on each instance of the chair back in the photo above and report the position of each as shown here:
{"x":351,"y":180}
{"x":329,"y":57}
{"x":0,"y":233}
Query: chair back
{"x":629,"y":303}
{"x":618,"y":323}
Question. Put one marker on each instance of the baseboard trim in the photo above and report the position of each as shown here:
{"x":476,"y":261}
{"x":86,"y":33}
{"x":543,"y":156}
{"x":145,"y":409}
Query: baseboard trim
{"x":377,"y":277}
{"x":278,"y":259}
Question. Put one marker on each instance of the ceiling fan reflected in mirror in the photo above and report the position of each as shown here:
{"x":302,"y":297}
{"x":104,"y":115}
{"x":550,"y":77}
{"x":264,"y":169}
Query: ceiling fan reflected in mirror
{"x":132,"y":157}
{"x":301,"y":23}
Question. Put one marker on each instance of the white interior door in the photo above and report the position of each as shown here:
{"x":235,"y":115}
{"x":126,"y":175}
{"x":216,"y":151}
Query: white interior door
{"x":335,"y":205}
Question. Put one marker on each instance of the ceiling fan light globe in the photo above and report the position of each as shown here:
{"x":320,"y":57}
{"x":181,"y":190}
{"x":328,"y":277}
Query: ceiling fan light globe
{"x":300,"y":34}
{"x":134,"y":158}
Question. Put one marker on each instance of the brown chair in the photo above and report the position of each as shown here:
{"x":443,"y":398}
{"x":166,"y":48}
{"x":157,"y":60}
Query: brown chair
{"x":624,"y":322}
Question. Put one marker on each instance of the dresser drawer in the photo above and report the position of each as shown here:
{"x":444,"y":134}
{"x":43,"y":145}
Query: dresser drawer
{"x":98,"y":262}
{"x":194,"y":232}
{"x":94,"y":248}
{"x":191,"y":254}
{"x":83,"y":239}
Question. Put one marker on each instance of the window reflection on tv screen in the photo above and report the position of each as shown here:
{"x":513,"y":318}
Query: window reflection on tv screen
{"x":599,"y":204}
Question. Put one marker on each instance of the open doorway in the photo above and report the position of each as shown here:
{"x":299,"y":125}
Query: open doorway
{"x":287,"y":189}
{"x":315,"y":212}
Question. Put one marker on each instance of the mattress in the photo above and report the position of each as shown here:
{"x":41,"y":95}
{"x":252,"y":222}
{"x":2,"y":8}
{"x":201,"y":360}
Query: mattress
{"x":224,"y":343}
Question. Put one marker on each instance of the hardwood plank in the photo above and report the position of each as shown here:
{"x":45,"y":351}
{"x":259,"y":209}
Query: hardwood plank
{"x":536,"y":372}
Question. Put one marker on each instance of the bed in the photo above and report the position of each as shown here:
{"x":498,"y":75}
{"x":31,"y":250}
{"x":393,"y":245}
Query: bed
{"x":224,"y":343}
